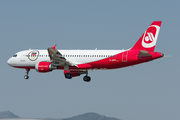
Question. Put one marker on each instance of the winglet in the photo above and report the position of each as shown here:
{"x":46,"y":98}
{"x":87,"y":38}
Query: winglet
{"x":54,"y":47}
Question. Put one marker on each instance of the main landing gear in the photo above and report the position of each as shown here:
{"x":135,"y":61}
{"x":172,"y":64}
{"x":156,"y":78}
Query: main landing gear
{"x":87,"y":78}
{"x":68,"y":75}
{"x":27,"y":72}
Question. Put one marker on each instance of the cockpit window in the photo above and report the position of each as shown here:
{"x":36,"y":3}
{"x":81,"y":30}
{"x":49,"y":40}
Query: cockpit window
{"x":15,"y":55}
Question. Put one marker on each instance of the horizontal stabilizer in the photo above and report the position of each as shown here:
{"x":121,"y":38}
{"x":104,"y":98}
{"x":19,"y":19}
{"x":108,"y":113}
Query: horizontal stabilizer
{"x":144,"y":53}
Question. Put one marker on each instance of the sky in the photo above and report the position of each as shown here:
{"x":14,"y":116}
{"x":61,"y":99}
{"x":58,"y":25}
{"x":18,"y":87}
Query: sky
{"x":142,"y":92}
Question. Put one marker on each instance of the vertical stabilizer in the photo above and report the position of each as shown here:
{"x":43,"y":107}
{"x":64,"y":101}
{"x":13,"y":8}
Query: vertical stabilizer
{"x":148,"y":40}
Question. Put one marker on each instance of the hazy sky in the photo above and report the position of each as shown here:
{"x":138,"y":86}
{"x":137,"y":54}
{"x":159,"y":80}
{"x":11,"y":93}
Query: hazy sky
{"x":148,"y":91}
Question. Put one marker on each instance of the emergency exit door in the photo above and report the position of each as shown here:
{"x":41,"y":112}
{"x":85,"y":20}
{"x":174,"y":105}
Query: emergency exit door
{"x":124,"y":56}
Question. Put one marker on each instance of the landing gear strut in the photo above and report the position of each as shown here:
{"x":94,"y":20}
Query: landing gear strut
{"x":27,"y":72}
{"x":87,"y":78}
{"x":67,"y":75}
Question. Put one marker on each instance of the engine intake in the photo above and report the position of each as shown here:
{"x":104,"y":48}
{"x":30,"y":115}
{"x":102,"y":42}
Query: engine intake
{"x":45,"y":67}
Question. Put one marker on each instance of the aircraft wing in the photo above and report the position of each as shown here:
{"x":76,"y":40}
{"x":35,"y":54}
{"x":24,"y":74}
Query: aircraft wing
{"x":57,"y":58}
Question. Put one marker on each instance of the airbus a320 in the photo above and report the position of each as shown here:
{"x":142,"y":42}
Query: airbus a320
{"x":77,"y":62}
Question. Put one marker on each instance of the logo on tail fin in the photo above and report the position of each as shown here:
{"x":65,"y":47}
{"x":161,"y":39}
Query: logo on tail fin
{"x":150,"y":36}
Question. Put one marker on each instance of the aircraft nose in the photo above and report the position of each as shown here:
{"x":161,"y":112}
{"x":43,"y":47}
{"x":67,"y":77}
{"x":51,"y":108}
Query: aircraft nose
{"x":9,"y":62}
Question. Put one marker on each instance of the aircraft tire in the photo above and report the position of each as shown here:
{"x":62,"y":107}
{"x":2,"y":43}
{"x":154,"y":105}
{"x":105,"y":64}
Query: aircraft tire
{"x":68,"y":75}
{"x":26,"y":77}
{"x":87,"y":79}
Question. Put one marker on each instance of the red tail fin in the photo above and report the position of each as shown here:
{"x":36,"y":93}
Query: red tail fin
{"x":148,"y":40}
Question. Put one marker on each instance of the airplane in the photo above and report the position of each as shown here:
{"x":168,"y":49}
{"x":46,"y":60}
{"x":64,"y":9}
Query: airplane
{"x":77,"y":62}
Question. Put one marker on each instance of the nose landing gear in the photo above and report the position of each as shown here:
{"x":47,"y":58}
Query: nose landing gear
{"x":27,"y":72}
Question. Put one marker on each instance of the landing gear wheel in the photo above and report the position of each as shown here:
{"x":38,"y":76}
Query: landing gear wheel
{"x":27,"y":72}
{"x":87,"y":78}
{"x":68,"y":75}
{"x":26,"y":77}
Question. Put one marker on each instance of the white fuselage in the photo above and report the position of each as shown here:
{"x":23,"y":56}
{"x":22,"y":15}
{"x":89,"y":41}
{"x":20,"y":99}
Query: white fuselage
{"x":24,"y":58}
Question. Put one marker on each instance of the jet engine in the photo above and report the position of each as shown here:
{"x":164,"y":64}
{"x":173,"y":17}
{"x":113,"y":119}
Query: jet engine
{"x":45,"y":67}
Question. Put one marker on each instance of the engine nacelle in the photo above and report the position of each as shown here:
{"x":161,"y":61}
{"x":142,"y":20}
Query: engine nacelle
{"x":45,"y":67}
